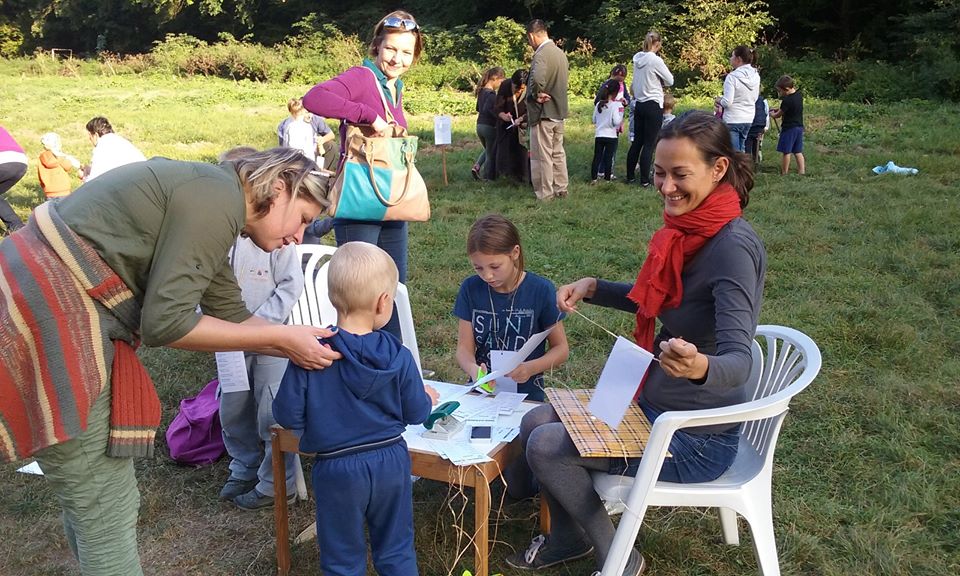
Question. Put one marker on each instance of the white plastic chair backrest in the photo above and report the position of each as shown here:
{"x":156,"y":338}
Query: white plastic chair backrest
{"x":315,"y":309}
{"x":788,"y":361}
{"x":405,"y":315}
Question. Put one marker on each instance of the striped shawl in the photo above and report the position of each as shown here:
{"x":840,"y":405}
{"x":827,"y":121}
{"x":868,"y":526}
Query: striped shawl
{"x":64,"y":317}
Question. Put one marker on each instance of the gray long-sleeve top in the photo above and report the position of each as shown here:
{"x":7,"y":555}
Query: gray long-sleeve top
{"x":271,"y":282}
{"x":722,"y":294}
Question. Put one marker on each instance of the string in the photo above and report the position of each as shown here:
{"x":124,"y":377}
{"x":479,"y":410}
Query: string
{"x":581,"y":314}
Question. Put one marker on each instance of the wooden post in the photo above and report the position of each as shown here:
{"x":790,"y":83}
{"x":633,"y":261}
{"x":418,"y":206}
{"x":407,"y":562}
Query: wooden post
{"x":443,"y":154}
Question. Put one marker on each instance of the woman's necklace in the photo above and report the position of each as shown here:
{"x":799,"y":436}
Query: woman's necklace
{"x":501,"y":342}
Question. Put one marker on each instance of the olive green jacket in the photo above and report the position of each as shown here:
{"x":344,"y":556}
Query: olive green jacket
{"x":549,"y":73}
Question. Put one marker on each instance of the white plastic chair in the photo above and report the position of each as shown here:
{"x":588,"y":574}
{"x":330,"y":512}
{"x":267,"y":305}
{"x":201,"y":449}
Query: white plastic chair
{"x":787,"y":364}
{"x":314,"y":307}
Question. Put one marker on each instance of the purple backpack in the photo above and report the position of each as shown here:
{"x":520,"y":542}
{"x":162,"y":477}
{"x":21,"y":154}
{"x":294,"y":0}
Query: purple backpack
{"x":195,"y":436}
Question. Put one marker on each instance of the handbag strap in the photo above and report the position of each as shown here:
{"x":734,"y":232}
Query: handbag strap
{"x":386,"y":107}
{"x":409,"y":156}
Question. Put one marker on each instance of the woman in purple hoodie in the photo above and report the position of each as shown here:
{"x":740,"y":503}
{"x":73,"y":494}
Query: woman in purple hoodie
{"x":354,"y":97}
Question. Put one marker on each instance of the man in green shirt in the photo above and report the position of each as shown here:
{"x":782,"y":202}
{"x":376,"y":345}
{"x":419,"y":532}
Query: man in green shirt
{"x":546,"y":110}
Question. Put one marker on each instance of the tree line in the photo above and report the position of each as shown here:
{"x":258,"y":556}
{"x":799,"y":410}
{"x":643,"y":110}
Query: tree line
{"x":879,"y":29}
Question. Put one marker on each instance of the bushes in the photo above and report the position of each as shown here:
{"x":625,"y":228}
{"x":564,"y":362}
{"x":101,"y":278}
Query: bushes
{"x":868,"y":81}
{"x":456,"y":60}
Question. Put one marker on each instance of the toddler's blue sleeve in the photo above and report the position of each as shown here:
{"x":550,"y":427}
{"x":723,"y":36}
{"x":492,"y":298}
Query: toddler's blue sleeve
{"x":416,"y":403}
{"x":290,"y":404}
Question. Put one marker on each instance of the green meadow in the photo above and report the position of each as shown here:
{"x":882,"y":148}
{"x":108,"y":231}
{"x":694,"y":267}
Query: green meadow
{"x":867,"y":472}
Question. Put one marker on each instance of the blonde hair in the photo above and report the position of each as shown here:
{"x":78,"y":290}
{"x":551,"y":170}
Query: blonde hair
{"x":669,"y":102}
{"x":236,"y":153}
{"x":259,"y":170}
{"x":650,"y":39}
{"x":358,"y":274}
{"x":295,"y":105}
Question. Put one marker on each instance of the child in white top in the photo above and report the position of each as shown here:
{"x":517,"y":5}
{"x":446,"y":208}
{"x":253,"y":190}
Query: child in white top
{"x":607,"y":117}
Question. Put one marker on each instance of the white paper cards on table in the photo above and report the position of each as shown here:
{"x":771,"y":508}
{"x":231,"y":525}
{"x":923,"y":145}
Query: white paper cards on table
{"x":621,"y":375}
{"x":442,"y":130}
{"x":511,"y":360}
{"x":232,"y":372}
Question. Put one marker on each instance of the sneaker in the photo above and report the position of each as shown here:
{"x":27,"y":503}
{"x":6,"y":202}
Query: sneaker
{"x":235,"y":487}
{"x":645,"y":184}
{"x":541,"y":554}
{"x":475,"y":171}
{"x":254,"y":500}
{"x":629,"y":180}
{"x":636,"y":564}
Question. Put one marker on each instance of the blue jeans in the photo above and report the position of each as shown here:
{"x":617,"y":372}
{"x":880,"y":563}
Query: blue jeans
{"x":694,"y":457}
{"x":738,"y":135}
{"x":390,"y":236}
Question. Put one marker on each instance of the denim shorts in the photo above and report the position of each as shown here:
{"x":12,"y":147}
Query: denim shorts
{"x":693,"y":457}
{"x":791,"y":141}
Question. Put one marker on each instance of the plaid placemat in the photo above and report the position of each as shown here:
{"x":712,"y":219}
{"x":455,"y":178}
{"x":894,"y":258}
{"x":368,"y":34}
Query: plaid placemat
{"x":591,"y":435}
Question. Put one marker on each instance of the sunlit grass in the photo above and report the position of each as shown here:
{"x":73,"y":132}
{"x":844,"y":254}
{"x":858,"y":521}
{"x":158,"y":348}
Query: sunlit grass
{"x":867,"y":477}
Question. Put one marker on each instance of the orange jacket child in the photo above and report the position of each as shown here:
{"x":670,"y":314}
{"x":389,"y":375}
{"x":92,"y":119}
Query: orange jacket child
{"x":55,"y":167}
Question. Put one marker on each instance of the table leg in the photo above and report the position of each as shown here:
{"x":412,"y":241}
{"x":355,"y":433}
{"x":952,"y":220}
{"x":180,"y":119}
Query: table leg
{"x":481,"y":520}
{"x":280,"y":517}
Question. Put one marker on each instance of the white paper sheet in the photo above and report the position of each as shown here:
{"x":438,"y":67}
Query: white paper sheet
{"x":498,"y":359}
{"x":447,"y":391}
{"x":442,"y":130}
{"x":618,"y":382}
{"x":460,"y":453}
{"x":513,"y":359}
{"x":507,"y":402}
{"x":232,"y":372}
{"x":31,"y":468}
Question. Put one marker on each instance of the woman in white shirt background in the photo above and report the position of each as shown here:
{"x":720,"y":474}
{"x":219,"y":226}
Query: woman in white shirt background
{"x":741,"y":88}
{"x":110,"y":149}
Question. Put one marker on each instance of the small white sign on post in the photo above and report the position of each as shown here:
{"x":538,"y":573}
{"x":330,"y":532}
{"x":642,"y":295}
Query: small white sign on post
{"x":442,"y":130}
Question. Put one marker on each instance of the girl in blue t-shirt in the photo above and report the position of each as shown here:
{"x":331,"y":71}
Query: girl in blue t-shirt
{"x":503,"y":305}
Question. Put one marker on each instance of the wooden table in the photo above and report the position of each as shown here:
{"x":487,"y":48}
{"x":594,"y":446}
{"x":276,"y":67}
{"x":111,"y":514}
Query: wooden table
{"x":424,"y":463}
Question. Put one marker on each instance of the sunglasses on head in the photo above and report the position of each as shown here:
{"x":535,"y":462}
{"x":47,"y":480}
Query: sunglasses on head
{"x":402,"y":23}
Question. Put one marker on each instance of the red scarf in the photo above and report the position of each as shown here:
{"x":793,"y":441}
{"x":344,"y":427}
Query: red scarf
{"x":658,"y":284}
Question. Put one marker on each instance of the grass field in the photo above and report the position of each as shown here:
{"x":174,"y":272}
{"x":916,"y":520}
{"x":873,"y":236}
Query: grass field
{"x":867,"y":476}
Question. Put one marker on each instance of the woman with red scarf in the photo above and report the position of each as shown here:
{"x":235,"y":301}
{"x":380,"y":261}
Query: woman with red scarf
{"x":703,"y":278}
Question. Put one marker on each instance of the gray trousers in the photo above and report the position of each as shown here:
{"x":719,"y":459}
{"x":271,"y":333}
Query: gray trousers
{"x":246,"y":418}
{"x":98,"y":495}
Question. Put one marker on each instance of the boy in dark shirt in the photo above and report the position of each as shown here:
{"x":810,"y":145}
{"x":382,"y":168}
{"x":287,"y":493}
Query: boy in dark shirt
{"x":791,"y":130}
{"x":352,"y":415}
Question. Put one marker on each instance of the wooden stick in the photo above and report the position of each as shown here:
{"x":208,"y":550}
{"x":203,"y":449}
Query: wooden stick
{"x":443,"y":154}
